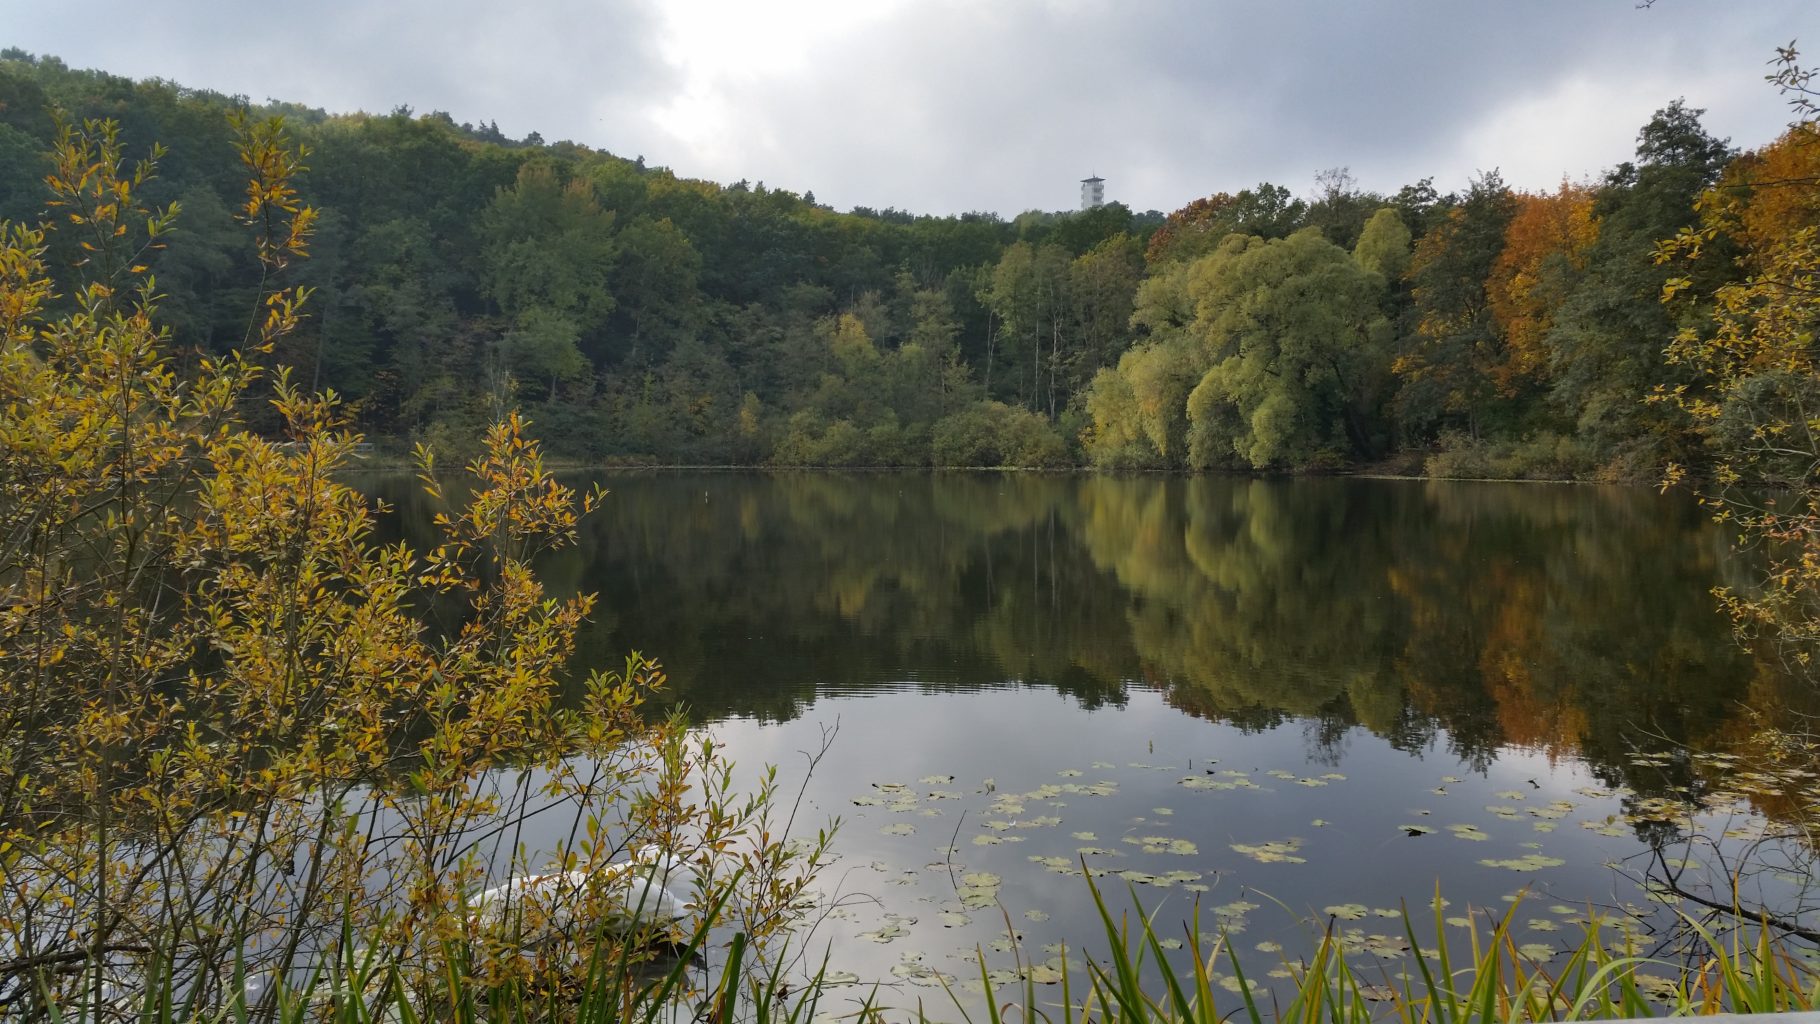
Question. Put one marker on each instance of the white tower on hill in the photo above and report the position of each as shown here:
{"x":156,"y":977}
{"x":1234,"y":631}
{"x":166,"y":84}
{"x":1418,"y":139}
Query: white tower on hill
{"x":1093,"y":192}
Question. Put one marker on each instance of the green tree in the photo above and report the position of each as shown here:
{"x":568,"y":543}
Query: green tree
{"x":1383,"y":246}
{"x":1446,"y":364}
{"x":1293,"y":336}
{"x":547,"y":244}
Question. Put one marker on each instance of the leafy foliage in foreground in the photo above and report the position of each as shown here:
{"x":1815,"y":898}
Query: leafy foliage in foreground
{"x":231,"y":743}
{"x":1496,"y":982}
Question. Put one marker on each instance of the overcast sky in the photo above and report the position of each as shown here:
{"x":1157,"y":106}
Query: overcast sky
{"x":943,"y":106}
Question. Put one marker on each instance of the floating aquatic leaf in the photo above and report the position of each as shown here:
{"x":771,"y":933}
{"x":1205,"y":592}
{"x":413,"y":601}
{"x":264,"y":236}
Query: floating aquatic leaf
{"x":1278,"y":773}
{"x":1451,"y":779}
{"x":1468,"y":832}
{"x":981,"y":878}
{"x":945,"y":794}
{"x":1527,"y":862}
{"x":1163,"y":844}
{"x":867,"y":801}
{"x":914,"y":972}
{"x":1543,"y":924}
{"x":1280,"y":851}
{"x":1229,"y":912}
{"x":1103,"y":765}
{"x":1460,"y":922}
{"x":1232,"y":984}
{"x":1319,"y":823}
{"x":1419,"y":830}
{"x":1164,"y":811}
{"x":1197,"y":887}
{"x":950,"y":919}
{"x":902,"y":829}
{"x":1537,"y":951}
{"x":1386,"y":912}
{"x":1058,"y":864}
{"x":986,"y":840}
{"x":1438,"y":791}
{"x":1345,"y":911}
{"x":1097,"y":851}
{"x":1069,"y":773}
{"x":1085,"y":837}
{"x":1311,"y":782}
{"x":1170,"y":943}
{"x":1137,"y":877}
{"x":1511,"y":794}
{"x":1543,"y":826}
{"x":1036,"y":915}
{"x":1269,"y":947}
{"x":885,"y":934}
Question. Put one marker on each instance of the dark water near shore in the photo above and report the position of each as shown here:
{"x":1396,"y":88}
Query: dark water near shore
{"x":1290,"y":701}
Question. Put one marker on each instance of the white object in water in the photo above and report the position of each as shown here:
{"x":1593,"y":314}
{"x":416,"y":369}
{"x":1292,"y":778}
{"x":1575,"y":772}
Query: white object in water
{"x":636,"y":893}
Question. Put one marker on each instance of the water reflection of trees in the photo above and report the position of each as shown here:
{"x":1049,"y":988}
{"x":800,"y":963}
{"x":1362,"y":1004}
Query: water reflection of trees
{"x":1560,"y":619}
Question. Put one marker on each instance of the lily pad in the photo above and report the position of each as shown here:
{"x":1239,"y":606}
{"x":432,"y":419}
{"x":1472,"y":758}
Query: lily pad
{"x":1281,"y":851}
{"x":1527,"y":862}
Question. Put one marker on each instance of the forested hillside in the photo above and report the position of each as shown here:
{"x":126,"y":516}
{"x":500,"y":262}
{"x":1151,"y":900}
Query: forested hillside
{"x":638,"y":316}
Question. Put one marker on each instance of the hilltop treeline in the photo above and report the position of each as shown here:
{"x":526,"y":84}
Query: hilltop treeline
{"x":639,"y":316}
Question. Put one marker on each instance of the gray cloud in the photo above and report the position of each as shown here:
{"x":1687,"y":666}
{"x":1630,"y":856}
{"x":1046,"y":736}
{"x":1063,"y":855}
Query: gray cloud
{"x":946,"y":105}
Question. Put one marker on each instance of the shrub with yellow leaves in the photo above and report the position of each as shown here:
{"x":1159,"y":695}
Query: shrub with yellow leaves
{"x":232,"y":749}
{"x":1757,"y":394}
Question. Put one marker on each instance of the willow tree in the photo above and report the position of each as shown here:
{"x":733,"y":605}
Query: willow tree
{"x":1293,"y":337}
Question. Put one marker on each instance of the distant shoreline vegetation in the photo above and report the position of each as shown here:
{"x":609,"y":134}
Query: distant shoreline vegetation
{"x":641,"y":318}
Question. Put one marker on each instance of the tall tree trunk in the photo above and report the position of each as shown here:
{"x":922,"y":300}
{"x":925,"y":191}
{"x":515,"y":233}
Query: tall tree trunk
{"x":989,"y":340}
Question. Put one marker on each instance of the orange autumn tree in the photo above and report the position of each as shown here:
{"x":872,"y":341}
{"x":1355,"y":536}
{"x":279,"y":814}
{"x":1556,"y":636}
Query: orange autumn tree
{"x":1545,"y":246}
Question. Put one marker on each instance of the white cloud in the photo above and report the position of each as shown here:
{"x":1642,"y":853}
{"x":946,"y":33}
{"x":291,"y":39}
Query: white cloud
{"x":943,"y":106}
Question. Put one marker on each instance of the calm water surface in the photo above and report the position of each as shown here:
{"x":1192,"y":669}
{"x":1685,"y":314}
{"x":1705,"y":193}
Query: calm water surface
{"x":1288,"y":701}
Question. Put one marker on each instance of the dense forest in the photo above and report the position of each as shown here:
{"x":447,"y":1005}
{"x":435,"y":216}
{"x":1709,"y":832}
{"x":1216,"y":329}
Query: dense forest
{"x":641,"y":317}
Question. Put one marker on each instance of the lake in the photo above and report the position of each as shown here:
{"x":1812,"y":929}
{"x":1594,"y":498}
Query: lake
{"x":1292,"y":702}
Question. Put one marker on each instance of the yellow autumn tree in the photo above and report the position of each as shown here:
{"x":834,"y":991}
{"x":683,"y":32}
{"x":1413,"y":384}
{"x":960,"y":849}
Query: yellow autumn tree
{"x":233,"y":753}
{"x":1757,"y":395}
